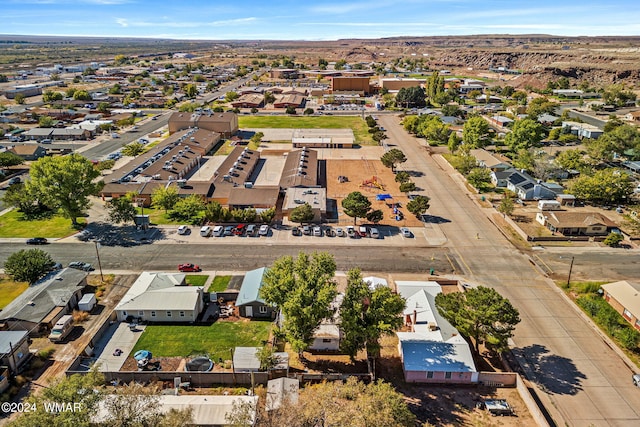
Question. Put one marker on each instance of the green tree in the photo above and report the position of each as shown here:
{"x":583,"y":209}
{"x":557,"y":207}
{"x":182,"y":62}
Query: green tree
{"x":453,"y":143}
{"x":51,"y":96}
{"x":375,"y":216}
{"x":412,"y":97}
{"x":212,"y":211}
{"x":419,"y":205}
{"x":402,"y":176}
{"x":366,"y":315}
{"x":237,"y":214}
{"x":303,"y":290}
{"x":506,"y":206}
{"x":481,"y":314}
{"x":188,"y":209}
{"x":463,"y":163}
{"x":451,"y":110}
{"x":8,"y":158}
{"x":266,"y":356}
{"x":249,"y":215}
{"x":525,"y":134}
{"x":290,"y":110}
{"x":303,"y":213}
{"x":618,"y":95}
{"x":356,"y":205}
{"x":607,"y":186}
{"x":26,"y":203}
{"x":435,"y":86}
{"x":539,"y":106}
{"x":103,"y":107}
{"x":231,"y":96}
{"x":617,"y":141}
{"x":475,"y":132}
{"x":28,"y":265}
{"x":613,"y":239}
{"x":392,"y":157}
{"x":133,"y":149}
{"x":46,"y":122}
{"x":479,"y":178}
{"x":571,"y":159}
{"x":165,"y":197}
{"x":81,"y":95}
{"x":308,"y":111}
{"x":256,"y":138}
{"x":64,"y":183}
{"x":191,"y":90}
{"x":433,"y":129}
{"x":65,"y":391}
{"x":269,"y":98}
{"x":268,"y":215}
{"x":407,"y":187}
{"x":121,"y":209}
{"x":20,"y":98}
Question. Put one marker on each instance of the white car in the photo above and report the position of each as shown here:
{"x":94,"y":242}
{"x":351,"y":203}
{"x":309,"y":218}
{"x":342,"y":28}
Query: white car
{"x":183,"y":229}
{"x":339,"y":232}
{"x":406,"y":232}
{"x":317,"y":231}
{"x":264,"y":230}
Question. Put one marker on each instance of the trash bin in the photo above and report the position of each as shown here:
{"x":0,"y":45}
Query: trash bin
{"x":482,"y":198}
{"x":431,"y":271}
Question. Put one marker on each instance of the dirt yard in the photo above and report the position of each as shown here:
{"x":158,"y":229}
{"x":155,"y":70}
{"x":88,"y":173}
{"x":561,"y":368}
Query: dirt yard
{"x":370,"y":178}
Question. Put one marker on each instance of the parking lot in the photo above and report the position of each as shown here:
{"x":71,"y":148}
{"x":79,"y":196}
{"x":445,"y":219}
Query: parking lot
{"x":429,"y":235}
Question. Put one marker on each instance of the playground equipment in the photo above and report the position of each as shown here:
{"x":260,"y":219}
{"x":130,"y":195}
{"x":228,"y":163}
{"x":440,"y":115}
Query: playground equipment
{"x":374,"y":182}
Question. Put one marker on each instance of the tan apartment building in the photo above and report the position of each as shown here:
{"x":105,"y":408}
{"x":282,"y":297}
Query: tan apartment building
{"x":225,"y":124}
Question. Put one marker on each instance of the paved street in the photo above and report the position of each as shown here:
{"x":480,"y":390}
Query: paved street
{"x":579,"y":378}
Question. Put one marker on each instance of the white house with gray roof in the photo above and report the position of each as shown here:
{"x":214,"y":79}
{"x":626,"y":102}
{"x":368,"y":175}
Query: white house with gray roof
{"x":433,"y":351}
{"x":14,"y":349}
{"x":161,"y":297}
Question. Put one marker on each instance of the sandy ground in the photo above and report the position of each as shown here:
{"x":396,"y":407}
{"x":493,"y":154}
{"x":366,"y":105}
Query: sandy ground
{"x":360,"y":174}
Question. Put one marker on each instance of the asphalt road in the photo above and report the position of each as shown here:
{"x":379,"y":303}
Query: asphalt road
{"x":579,"y":378}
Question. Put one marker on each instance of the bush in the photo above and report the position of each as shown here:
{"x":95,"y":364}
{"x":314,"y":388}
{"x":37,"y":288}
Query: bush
{"x":80,"y":316}
{"x":589,"y":287}
{"x":46,"y":353}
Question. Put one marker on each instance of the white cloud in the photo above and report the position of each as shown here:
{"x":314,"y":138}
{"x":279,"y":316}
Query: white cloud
{"x":122,"y":22}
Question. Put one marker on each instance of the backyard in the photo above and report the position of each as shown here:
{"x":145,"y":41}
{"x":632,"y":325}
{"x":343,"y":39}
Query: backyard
{"x":215,"y":341}
{"x":219,"y":284}
{"x":357,"y":124}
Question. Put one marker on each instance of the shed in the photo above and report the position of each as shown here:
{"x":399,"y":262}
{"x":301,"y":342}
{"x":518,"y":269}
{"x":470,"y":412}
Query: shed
{"x":87,"y":302}
{"x":245,"y":359}
{"x":249,"y":302}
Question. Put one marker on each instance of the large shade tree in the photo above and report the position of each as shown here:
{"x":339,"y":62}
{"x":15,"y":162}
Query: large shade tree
{"x":64,"y":183}
{"x":366,"y":315}
{"x":28,"y":265}
{"x":607,"y":186}
{"x":481,"y":314}
{"x":356,"y":205}
{"x":393,"y":157}
{"x":303,"y":289}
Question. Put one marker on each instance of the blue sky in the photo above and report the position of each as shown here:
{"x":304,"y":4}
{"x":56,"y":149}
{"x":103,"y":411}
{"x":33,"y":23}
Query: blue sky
{"x":310,"y":20}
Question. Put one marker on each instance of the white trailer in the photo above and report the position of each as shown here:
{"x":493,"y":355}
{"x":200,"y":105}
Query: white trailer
{"x":549,"y":205}
{"x":87,"y":302}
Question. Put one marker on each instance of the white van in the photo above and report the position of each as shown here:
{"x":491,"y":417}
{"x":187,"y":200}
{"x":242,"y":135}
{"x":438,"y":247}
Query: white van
{"x":218,"y":230}
{"x":61,"y":328}
{"x":205,"y":231}
{"x":373,"y":232}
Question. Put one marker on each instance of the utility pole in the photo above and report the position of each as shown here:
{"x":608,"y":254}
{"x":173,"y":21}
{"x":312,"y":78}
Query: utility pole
{"x":570,"y":268}
{"x":99,"y":263}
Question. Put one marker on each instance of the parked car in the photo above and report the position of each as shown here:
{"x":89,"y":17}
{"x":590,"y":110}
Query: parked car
{"x":205,"y":231}
{"x":37,"y":241}
{"x":306,"y":230}
{"x":329,"y":231}
{"x":351,"y":232}
{"x":228,"y":230}
{"x":251,"y":230}
{"x":46,"y":141}
{"x":83,"y":236}
{"x":183,"y":229}
{"x":218,"y":231}
{"x":406,"y":232}
{"x":264,"y":230}
{"x":239,"y":230}
{"x":189,"y":268}
{"x":374,"y":233}
{"x":79,"y":265}
{"x":295,"y":231}
{"x":15,"y":180}
{"x":636,"y":380}
{"x":317,"y":231}
{"x":340,"y":232}
{"x":362,"y":231}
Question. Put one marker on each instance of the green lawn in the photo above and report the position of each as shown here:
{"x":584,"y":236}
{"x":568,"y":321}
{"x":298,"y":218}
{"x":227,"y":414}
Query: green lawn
{"x":157,"y":216}
{"x":9,"y":290}
{"x":12,"y":224}
{"x":196,"y":279}
{"x":215,"y":340}
{"x":219,"y":283}
{"x":359,"y":126}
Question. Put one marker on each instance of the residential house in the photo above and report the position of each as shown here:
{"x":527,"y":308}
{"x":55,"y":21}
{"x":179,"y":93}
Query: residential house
{"x":576,"y":223}
{"x":633,"y":116}
{"x":494,"y":162}
{"x":624,"y":297}
{"x":249,"y":101}
{"x":328,"y":335}
{"x":161,"y":297}
{"x":583,"y":130}
{"x":500,"y":121}
{"x":28,"y":151}
{"x":14,"y":350}
{"x":527,"y":187}
{"x":547,"y":119}
{"x":433,"y":351}
{"x":249,"y":302}
{"x":40,"y":306}
{"x":71,"y":134}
